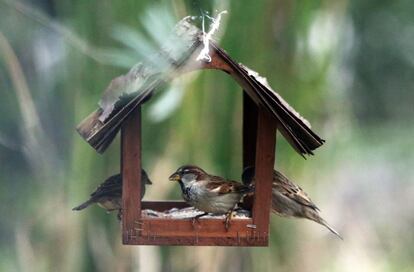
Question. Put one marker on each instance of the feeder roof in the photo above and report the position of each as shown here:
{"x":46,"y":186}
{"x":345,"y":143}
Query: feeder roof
{"x":177,"y":56}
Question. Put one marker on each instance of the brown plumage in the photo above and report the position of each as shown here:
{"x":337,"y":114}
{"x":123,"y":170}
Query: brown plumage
{"x":209,"y":193}
{"x":108,"y":195}
{"x":288,"y":199}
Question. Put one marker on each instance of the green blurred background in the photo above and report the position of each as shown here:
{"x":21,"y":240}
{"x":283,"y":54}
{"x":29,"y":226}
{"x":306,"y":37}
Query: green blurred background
{"x":346,"y":65}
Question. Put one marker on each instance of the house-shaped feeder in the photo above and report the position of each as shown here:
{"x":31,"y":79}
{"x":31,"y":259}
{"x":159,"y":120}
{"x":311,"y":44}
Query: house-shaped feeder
{"x":264,"y":112}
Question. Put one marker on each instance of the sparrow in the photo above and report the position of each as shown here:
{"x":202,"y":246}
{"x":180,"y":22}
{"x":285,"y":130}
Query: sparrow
{"x":208,"y":193}
{"x":108,"y":195}
{"x":288,"y":199}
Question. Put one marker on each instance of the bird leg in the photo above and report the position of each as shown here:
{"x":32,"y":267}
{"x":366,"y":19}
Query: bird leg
{"x":119,"y":215}
{"x":195,"y":218}
{"x":229,"y":215}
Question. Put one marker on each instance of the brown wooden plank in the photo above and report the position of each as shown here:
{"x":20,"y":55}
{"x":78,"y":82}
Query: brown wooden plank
{"x":184,"y":227}
{"x":250,"y":115}
{"x":201,"y":241}
{"x":131,"y":173}
{"x":217,"y":63}
{"x":155,"y":231}
{"x":265,"y":158}
{"x":163,"y":205}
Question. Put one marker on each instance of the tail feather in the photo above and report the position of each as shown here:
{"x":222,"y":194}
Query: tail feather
{"x":324,"y":223}
{"x":332,"y":230}
{"x":83,"y":205}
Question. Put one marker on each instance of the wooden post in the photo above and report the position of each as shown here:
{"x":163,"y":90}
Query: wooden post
{"x":249,"y":130}
{"x":131,"y":174}
{"x":265,"y":158}
{"x":259,"y":141}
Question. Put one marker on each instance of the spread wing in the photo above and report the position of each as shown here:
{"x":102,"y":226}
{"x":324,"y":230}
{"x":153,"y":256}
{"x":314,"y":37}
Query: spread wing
{"x":283,"y":185}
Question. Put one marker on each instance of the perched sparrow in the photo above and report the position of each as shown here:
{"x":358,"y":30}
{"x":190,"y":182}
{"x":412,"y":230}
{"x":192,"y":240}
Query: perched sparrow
{"x":108,"y":195}
{"x":207,"y":193}
{"x":288,"y":199}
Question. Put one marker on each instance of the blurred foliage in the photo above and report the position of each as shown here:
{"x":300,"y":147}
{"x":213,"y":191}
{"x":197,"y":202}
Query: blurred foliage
{"x":345,"y":65}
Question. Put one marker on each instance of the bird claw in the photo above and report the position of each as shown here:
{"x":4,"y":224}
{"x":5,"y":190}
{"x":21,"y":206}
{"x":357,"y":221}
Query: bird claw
{"x":195,"y":219}
{"x":227,"y":221}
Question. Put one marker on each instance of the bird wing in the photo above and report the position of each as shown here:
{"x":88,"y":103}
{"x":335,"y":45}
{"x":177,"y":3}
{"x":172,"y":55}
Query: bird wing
{"x":222,"y":186}
{"x":111,"y":187}
{"x":283,"y":185}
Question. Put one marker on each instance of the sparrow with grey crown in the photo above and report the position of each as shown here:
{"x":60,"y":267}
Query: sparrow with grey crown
{"x":208,"y":193}
{"x":288,"y":199}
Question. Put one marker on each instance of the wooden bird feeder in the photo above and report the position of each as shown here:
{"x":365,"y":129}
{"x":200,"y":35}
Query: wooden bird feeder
{"x":264,"y":111}
{"x":259,"y":139}
{"x":259,"y":136}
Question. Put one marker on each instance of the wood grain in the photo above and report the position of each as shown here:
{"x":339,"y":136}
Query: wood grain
{"x":165,"y":205}
{"x":156,"y":231}
{"x":131,"y":172}
{"x":250,"y":116}
{"x":265,"y":158}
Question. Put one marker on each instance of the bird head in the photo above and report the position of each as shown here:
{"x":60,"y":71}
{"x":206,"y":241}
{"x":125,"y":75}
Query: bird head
{"x":187,"y":174}
{"x":248,"y":175}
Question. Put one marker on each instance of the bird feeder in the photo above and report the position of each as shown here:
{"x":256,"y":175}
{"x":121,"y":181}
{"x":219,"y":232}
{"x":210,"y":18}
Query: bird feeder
{"x":264,"y":112}
{"x":259,"y":135}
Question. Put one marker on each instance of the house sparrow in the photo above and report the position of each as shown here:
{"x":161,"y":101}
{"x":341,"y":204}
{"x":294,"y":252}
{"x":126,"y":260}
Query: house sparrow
{"x":207,"y":193}
{"x":288,"y":199}
{"x":108,"y":195}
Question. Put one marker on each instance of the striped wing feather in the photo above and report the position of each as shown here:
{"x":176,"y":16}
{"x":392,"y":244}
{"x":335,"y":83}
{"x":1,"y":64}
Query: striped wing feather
{"x":221,"y":186}
{"x":283,"y":185}
{"x":111,"y":187}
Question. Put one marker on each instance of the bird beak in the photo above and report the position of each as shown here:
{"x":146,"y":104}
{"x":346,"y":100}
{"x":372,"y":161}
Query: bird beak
{"x":175,"y":177}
